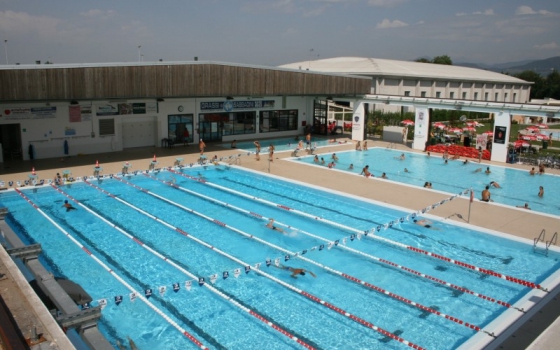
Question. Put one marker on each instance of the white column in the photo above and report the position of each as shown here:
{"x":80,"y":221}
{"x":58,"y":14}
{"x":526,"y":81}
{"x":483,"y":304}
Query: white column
{"x":358,"y":121}
{"x":421,"y":124}
{"x":500,"y":143}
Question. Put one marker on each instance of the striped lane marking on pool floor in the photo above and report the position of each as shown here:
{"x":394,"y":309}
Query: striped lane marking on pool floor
{"x":287,"y":285}
{"x":404,"y":268}
{"x":351,"y":229}
{"x":186,"y":272}
{"x":115,"y":275}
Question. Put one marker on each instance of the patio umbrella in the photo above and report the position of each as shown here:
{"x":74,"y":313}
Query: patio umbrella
{"x":455,"y":130}
{"x":542,"y":126}
{"x":489,"y":133}
{"x":532,"y":127}
{"x":439,"y":125}
{"x":521,"y":143}
{"x":407,"y":122}
{"x":541,"y":137}
{"x":469,"y":128}
{"x":529,"y":137}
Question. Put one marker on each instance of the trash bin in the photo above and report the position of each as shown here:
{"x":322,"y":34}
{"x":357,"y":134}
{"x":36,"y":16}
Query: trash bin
{"x":433,"y":141}
{"x":544,"y":144}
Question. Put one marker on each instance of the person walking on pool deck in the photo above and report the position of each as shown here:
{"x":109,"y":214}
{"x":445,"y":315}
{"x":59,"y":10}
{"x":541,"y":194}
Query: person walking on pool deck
{"x":270,"y":225}
{"x":68,"y":206}
{"x":201,"y":146}
{"x":296,"y":271}
{"x":486,"y":194}
{"x":257,"y":150}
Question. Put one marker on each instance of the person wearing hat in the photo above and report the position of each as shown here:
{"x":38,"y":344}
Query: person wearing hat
{"x":68,"y":206}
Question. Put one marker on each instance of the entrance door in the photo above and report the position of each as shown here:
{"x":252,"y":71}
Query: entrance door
{"x":210,"y":128}
{"x":10,"y":138}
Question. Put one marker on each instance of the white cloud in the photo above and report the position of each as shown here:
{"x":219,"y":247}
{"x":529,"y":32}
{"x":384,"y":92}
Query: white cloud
{"x":24,"y":23}
{"x":385,"y":3}
{"x":390,"y":24}
{"x":488,"y":12}
{"x":526,"y":10}
{"x":459,"y":14}
{"x":550,"y":46}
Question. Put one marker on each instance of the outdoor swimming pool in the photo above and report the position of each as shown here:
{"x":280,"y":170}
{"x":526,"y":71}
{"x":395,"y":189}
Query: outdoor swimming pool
{"x":281,"y":145}
{"x":517,"y":187}
{"x":209,"y":221}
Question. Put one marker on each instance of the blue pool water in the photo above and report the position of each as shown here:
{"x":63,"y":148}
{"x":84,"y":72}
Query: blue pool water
{"x":282,"y":144}
{"x":517,"y":186}
{"x":276,"y":296}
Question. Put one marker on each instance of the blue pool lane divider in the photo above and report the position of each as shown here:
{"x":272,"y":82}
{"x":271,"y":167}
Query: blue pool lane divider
{"x":327,"y":268}
{"x":115,"y":275}
{"x":342,"y":246}
{"x":257,"y":269}
{"x":512,"y":279}
{"x":176,"y":286}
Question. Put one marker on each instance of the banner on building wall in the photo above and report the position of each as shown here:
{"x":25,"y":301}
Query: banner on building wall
{"x":421,"y":126}
{"x":229,"y":106}
{"x":125,"y":108}
{"x":358,"y":121}
{"x":74,"y":113}
{"x":500,"y":134}
{"x":107,"y":109}
{"x":86,"y":113}
{"x":29,"y":113}
{"x":481,"y":141}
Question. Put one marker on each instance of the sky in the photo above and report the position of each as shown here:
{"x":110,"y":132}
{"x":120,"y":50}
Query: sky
{"x":276,"y":32}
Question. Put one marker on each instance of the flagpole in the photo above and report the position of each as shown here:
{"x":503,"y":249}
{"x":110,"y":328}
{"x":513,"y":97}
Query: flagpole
{"x":470,"y":203}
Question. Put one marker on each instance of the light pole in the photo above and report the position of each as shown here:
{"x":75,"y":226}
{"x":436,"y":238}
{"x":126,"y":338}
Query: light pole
{"x":6,"y":49}
{"x":139,"y":54}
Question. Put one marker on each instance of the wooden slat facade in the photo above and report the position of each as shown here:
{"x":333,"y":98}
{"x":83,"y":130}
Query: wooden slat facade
{"x":174,"y":80}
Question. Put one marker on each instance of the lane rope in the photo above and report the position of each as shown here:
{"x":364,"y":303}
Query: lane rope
{"x":388,"y":241}
{"x":343,"y":246}
{"x":114,"y":274}
{"x":239,"y":261}
{"x":186,"y":272}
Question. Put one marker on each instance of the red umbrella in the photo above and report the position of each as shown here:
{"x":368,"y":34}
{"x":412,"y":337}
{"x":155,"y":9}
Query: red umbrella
{"x":489,"y":133}
{"x":529,"y":137}
{"x":542,"y":126}
{"x":532,"y":127}
{"x":440,"y":126}
{"x":541,"y":137}
{"x":469,"y":128}
{"x":521,"y":143}
{"x":407,"y":122}
{"x":455,"y":130}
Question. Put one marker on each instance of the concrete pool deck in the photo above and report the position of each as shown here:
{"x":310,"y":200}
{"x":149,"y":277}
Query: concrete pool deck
{"x":513,"y":221}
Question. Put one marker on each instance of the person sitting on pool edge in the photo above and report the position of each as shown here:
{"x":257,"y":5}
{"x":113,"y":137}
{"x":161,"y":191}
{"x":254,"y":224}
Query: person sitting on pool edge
{"x":68,"y":206}
{"x":274,"y":228}
{"x":486,"y":194}
{"x":526,"y":206}
{"x":365,"y":171}
{"x":295,"y":271}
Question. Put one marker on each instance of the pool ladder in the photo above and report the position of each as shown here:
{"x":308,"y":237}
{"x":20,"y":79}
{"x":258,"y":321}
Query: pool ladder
{"x":541,"y":237}
{"x":392,"y":145}
{"x":235,"y":160}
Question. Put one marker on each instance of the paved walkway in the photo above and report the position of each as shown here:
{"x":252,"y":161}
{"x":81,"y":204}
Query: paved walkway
{"x":518,"y":222}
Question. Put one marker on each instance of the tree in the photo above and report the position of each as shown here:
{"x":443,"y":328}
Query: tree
{"x":442,"y":60}
{"x":423,"y":60}
{"x":538,"y":88}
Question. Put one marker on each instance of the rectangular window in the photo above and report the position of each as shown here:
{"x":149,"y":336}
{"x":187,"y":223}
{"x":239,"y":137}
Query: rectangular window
{"x":464,"y":95}
{"x":452,"y":94}
{"x":438,"y":94}
{"x":505,"y":97}
{"x":496,"y":95}
{"x":475,"y":96}
{"x":180,"y":128}
{"x":106,"y":127}
{"x":407,"y":93}
{"x":514,"y":97}
{"x":485,"y":96}
{"x":423,"y":94}
{"x":272,"y":121}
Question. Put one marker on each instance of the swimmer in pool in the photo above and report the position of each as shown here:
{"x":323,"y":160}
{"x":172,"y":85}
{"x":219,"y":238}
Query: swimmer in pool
{"x":495,"y":184}
{"x":351,"y":167}
{"x":425,"y":223}
{"x":296,"y":271}
{"x":68,"y":206}
{"x":270,"y":225}
{"x":526,"y":206}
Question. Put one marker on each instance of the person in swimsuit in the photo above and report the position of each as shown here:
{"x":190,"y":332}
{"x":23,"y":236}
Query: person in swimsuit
{"x":365,"y":171}
{"x":68,"y":206}
{"x":296,"y":271}
{"x":495,"y":184}
{"x":486,"y":194}
{"x":258,"y":150}
{"x":270,"y":225}
{"x":541,"y":191}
